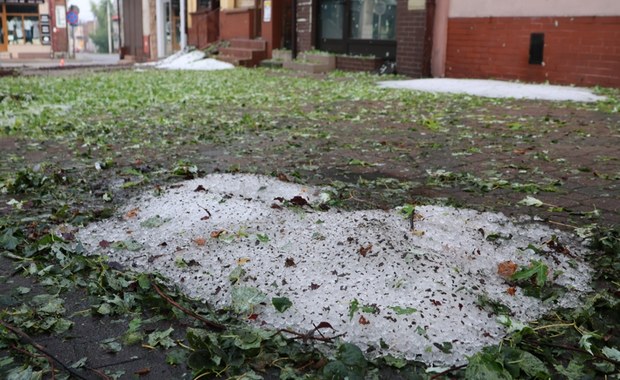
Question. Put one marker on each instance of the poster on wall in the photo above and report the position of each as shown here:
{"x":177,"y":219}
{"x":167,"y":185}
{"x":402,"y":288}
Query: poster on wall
{"x":267,"y":11}
{"x":416,"y":5}
{"x":45,"y":29}
{"x":61,"y":16}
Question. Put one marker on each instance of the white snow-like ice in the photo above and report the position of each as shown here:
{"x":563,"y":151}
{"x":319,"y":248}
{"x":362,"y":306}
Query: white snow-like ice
{"x":496,"y":89}
{"x":193,"y":60}
{"x":441,"y":269}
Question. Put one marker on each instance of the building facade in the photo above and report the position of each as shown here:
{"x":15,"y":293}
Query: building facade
{"x":559,"y":41}
{"x":33,"y":29}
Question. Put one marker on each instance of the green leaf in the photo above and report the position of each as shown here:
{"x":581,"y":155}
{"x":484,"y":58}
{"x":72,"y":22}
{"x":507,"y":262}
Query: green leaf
{"x":335,"y":370}
{"x":153,"y":222}
{"x":144,"y":282}
{"x":353,"y":308}
{"x":245,"y":298}
{"x":585,"y":343}
{"x":80,"y":363}
{"x":531,"y":201}
{"x":536,"y":269}
{"x":177,"y":356}
{"x":403,"y":310}
{"x":61,"y":325}
{"x":236,"y":274}
{"x":262,"y":238}
{"x":486,"y":365}
{"x":161,"y":338}
{"x":611,"y":353}
{"x":395,"y":362}
{"x":573,"y":371}
{"x":111,"y":345}
{"x":8,"y":240}
{"x":281,"y":303}
{"x":533,"y":366}
{"x":351,"y":355}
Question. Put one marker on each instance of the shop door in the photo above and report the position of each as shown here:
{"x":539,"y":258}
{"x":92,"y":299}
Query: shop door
{"x":3,"y":29}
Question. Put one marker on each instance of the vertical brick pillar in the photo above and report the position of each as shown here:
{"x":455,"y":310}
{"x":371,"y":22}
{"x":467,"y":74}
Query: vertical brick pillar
{"x":305,"y":34}
{"x":413,"y":38}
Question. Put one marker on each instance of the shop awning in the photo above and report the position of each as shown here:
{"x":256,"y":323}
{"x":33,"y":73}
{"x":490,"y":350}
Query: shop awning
{"x":22,"y":1}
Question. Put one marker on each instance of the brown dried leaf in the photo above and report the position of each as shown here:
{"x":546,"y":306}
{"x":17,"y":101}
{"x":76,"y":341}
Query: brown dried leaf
{"x":512,"y":290}
{"x":142,"y":372}
{"x":289,"y":262}
{"x":363,"y":321}
{"x":506,"y":269}
{"x":200,"y":241}
{"x":132,"y":213}
{"x":364,"y":250}
{"x":243,"y":260}
{"x":216,"y":234}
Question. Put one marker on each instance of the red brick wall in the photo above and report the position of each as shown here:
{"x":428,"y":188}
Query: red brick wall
{"x":305,"y":34}
{"x":578,"y":50}
{"x":412,"y":40}
{"x":237,"y":23}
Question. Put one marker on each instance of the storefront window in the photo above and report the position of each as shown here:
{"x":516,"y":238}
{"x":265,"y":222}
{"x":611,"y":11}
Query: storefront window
{"x":332,"y":18}
{"x":22,"y":25}
{"x":373,"y":19}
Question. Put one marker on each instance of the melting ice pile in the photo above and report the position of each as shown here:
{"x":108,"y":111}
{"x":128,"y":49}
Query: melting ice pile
{"x":417,"y":292}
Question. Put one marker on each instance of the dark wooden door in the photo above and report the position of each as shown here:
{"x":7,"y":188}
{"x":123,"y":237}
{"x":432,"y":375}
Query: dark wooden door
{"x":132,"y":30}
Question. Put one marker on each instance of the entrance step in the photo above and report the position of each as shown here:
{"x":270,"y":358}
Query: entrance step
{"x":312,"y":63}
{"x":244,"y":52}
{"x":278,"y":57}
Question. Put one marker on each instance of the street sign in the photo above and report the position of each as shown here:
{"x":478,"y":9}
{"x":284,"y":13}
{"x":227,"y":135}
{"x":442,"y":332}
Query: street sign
{"x":72,"y":18}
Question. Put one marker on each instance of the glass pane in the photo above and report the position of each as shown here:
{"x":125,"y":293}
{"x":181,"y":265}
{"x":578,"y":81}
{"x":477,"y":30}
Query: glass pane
{"x":31,"y":30}
{"x":373,"y":19}
{"x":1,"y":31}
{"x":331,"y":16}
{"x":16,"y":32}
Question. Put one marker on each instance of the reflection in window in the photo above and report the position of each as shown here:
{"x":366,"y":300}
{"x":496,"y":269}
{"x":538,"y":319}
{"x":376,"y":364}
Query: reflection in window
{"x":373,"y":19}
{"x":332,"y":18}
{"x":23,"y":30}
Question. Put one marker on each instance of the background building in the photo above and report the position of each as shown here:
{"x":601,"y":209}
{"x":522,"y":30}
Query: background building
{"x":33,"y":29}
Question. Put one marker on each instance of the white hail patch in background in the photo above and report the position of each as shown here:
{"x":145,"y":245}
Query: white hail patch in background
{"x":366,"y":273}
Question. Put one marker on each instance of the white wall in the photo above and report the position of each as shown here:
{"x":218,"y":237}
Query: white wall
{"x":533,"y":8}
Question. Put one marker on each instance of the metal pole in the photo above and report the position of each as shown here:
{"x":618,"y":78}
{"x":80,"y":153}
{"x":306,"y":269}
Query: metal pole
{"x":183,"y":22}
{"x":109,"y":26}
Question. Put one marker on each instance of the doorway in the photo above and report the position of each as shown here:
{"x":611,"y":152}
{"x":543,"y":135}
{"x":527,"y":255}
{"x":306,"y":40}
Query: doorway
{"x":357,"y":27}
{"x":172,"y":26}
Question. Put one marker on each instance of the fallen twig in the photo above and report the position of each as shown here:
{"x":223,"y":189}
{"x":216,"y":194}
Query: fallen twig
{"x":26,"y":338}
{"x":310,"y":334}
{"x":213,"y":325}
{"x":49,"y":360}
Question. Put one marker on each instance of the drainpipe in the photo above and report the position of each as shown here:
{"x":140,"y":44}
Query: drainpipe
{"x":183,"y":23}
{"x":294,"y":29}
{"x":440,"y":39}
{"x":161,"y":36}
